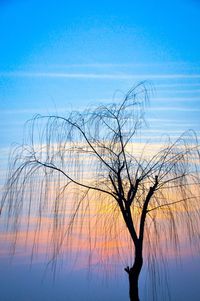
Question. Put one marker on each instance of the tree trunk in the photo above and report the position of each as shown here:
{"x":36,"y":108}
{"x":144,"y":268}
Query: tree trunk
{"x":133,"y":274}
{"x":133,"y":285}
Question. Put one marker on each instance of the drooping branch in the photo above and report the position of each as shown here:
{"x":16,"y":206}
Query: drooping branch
{"x":93,"y":149}
{"x":87,"y":172}
{"x":53,"y":167}
{"x":170,"y":204}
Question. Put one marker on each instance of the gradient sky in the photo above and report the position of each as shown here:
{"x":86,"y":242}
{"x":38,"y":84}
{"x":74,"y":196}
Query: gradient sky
{"x":61,"y":55}
{"x":58,"y":55}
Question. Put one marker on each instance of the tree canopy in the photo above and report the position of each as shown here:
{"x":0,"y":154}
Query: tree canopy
{"x":93,"y":173}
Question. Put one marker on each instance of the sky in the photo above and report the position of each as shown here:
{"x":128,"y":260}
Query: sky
{"x":57,"y":56}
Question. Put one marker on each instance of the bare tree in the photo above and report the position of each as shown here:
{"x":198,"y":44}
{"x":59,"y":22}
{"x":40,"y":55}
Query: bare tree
{"x":97,"y":161}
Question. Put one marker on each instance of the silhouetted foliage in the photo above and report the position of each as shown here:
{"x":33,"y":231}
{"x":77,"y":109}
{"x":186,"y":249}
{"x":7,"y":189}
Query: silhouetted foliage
{"x":92,"y":172}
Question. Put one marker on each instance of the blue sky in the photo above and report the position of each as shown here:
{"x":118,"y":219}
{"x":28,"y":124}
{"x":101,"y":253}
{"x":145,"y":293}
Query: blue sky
{"x":60,"y":55}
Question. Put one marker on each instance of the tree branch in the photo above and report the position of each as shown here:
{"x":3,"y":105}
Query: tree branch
{"x":51,"y":166}
{"x":144,"y":210}
{"x":170,"y":204}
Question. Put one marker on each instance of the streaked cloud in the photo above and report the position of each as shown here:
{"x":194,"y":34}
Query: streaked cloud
{"x":112,"y":76}
{"x":190,"y":109}
{"x":177,"y":99}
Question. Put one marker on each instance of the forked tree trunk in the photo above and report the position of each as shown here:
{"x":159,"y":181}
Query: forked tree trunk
{"x":133,"y":274}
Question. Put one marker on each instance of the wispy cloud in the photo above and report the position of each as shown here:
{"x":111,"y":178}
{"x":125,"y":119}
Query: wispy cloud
{"x":175,"y":109}
{"x":180,"y":91}
{"x":177,"y":99}
{"x":34,"y":111}
{"x":61,"y":110}
{"x":112,"y":76}
{"x":127,"y":65}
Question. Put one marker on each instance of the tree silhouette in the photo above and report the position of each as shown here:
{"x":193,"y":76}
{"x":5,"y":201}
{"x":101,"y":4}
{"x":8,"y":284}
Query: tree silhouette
{"x":97,"y":161}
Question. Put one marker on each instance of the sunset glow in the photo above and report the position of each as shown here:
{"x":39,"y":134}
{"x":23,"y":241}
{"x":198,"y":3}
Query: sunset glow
{"x":99,"y":150}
